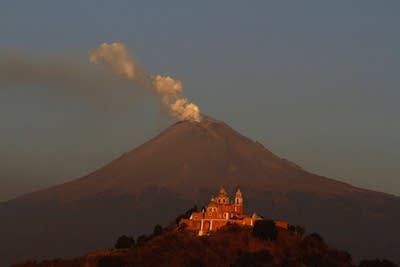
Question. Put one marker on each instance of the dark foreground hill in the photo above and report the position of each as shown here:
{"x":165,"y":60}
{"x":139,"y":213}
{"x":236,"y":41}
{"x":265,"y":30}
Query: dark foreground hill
{"x":232,"y":246}
{"x":182,"y":166}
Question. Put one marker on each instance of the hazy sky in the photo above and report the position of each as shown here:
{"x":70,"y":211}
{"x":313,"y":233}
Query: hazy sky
{"x":316,"y":83}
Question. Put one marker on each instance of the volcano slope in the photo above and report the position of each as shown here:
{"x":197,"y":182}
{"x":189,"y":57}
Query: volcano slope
{"x":182,"y":166}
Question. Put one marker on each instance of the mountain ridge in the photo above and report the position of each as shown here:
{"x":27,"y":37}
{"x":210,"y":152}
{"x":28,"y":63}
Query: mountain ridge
{"x":210,"y":131}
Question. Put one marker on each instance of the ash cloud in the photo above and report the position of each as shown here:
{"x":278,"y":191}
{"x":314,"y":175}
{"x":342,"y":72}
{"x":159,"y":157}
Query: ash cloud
{"x":19,"y":69}
{"x":57,"y":72}
{"x":119,"y":61}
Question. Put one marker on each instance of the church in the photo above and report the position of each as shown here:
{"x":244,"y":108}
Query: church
{"x":219,"y":212}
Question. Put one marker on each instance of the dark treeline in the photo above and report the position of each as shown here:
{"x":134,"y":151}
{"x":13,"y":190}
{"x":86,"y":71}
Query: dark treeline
{"x":263,"y":245}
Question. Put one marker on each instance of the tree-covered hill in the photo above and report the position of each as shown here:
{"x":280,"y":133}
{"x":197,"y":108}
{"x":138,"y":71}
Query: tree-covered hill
{"x":232,"y":246}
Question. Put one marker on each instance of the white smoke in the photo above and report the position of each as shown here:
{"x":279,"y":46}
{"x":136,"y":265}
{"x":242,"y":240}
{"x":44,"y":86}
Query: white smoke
{"x":117,"y":58}
{"x":183,"y":110}
{"x":165,"y":85}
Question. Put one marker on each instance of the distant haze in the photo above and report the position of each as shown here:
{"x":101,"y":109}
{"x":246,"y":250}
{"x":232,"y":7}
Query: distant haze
{"x":317,"y":83}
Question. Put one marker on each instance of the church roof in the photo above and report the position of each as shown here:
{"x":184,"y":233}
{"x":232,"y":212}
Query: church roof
{"x":212,"y":204}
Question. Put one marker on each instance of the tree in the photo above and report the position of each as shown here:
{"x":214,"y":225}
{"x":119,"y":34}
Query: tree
{"x":313,"y":240}
{"x":300,"y":230}
{"x":316,"y":237}
{"x":141,"y":240}
{"x":292,"y":228}
{"x":186,"y":215}
{"x":265,"y":229}
{"x":157,"y":230}
{"x":125,"y":242}
{"x":182,"y":227}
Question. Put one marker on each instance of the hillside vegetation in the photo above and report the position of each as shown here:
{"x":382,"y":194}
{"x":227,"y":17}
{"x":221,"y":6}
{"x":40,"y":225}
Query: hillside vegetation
{"x":232,"y":246}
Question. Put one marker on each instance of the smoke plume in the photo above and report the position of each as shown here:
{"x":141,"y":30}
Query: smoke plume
{"x":57,"y":72}
{"x":117,"y":58}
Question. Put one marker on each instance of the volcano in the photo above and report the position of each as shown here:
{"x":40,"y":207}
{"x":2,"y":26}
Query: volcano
{"x":189,"y":157}
{"x":182,"y":166}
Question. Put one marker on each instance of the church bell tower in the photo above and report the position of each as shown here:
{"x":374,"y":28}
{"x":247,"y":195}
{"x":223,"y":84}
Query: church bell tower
{"x":238,"y":202}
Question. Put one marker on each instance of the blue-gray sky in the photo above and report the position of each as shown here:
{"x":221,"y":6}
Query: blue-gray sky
{"x":316,"y":82}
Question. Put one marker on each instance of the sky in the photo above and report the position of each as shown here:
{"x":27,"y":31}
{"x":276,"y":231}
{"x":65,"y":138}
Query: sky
{"x":316,"y":82}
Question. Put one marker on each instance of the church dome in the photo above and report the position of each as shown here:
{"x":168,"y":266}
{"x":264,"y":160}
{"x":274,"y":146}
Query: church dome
{"x":222,"y":192}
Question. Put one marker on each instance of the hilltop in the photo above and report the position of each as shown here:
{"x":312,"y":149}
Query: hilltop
{"x":231,"y":246}
{"x":176,"y":247}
